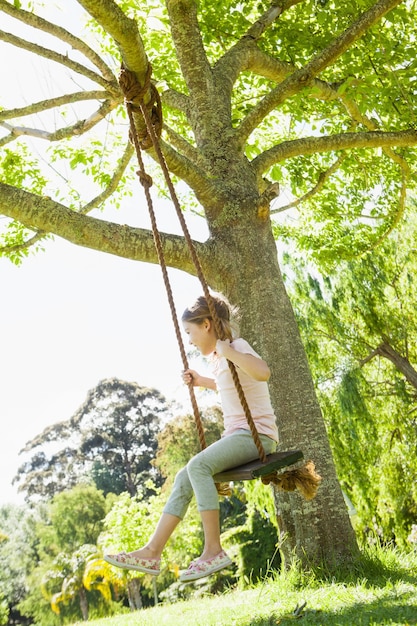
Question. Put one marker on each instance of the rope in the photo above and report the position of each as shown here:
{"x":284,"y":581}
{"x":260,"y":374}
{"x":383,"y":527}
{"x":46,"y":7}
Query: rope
{"x":129,"y":87}
{"x":127,"y":82}
{"x":134,"y":92}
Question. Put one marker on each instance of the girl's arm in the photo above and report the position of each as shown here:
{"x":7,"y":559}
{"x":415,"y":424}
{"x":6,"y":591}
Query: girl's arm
{"x":198,"y":381}
{"x":253,"y":366}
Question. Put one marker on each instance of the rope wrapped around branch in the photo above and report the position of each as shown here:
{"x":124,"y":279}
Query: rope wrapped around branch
{"x":135,"y":96}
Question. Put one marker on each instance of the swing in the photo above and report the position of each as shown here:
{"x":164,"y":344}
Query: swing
{"x":267,"y":467}
{"x":258,"y":469}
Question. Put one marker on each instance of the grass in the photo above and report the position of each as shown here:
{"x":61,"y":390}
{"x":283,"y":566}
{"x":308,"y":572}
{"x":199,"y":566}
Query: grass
{"x":381,"y":590}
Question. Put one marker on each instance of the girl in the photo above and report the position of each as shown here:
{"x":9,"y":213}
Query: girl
{"x":234,"y":448}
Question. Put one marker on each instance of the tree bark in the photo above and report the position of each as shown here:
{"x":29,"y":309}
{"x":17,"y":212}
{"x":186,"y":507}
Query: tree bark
{"x":401,"y":363}
{"x":83,"y":604}
{"x":320,"y":529}
{"x":133,"y":593}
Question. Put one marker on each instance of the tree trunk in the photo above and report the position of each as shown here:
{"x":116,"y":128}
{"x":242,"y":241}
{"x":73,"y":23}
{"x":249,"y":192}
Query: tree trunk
{"x":133,"y":594}
{"x":318,"y":529}
{"x":402,"y":364}
{"x":84,"y":604}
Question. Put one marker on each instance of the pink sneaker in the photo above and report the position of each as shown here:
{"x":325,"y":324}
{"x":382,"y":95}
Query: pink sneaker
{"x":127,"y":561}
{"x":200,"y":569}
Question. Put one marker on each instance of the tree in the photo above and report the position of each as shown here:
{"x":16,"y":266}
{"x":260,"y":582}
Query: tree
{"x":311,"y":96}
{"x":76,"y":518}
{"x":67,"y":574}
{"x":17,"y":555}
{"x":129,"y":524}
{"x":66,"y":543}
{"x":359,"y":329}
{"x":111,"y":439}
{"x":4,"y":611}
{"x":126,"y":420}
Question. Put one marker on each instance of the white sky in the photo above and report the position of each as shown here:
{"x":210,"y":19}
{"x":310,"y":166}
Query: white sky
{"x":70,"y":317}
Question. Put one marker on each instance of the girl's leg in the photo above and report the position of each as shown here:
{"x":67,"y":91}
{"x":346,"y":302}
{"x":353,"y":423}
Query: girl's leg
{"x":153,"y":549}
{"x":227,"y":452}
{"x":173,"y":512}
{"x":211,"y":528}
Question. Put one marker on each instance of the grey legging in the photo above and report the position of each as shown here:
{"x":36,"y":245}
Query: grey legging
{"x":197,"y":476}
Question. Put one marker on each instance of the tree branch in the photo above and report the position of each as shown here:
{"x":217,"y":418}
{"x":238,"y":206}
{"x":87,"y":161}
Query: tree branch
{"x":16,"y":132}
{"x":113,"y":184}
{"x":127,"y":37}
{"x":51,"y":55}
{"x":355,"y":114}
{"x":323,"y":177}
{"x":402,"y":364}
{"x":262,"y":64}
{"x":124,"y":32}
{"x":344,"y":41}
{"x":245,"y":55}
{"x":206,"y":192}
{"x":20,"y":247}
{"x":395,"y":217}
{"x":232,"y":59}
{"x":182,"y":145}
{"x":342,"y":141}
{"x":191,"y":55}
{"x":51,"y":103}
{"x":275,"y":10}
{"x":176,"y":100}
{"x":80,"y":127}
{"x":305,"y":76}
{"x":39,"y":23}
{"x":44,"y":214}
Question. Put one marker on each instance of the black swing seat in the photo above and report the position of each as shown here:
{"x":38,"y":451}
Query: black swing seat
{"x":256,"y":469}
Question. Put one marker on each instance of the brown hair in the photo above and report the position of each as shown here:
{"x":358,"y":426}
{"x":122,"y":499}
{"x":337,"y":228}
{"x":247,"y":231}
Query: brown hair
{"x":200,"y":311}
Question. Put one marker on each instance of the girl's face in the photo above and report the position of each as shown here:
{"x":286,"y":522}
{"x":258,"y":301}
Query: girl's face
{"x":202,"y":336}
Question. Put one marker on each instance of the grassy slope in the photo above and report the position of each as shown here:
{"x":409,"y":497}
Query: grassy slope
{"x":380,"y":591}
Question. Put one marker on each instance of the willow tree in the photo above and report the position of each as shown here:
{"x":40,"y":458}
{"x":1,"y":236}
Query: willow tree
{"x":310,"y":96}
{"x":360,"y":331}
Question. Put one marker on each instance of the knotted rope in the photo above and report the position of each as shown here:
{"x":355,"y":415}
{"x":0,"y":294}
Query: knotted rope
{"x":134,"y":98}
